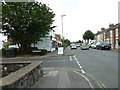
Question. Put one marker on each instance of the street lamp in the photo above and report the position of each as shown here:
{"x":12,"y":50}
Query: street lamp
{"x":62,"y":26}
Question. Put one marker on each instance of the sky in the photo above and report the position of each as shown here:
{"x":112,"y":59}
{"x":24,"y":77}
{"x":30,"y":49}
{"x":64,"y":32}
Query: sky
{"x":82,"y":15}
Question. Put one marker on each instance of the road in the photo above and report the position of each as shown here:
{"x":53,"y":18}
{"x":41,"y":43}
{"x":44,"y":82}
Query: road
{"x":100,"y":64}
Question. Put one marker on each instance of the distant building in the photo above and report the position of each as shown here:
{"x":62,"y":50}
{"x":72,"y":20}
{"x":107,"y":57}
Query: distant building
{"x":58,"y":40}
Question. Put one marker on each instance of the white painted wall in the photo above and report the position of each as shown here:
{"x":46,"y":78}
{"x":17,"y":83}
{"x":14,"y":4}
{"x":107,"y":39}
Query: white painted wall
{"x":46,"y":42}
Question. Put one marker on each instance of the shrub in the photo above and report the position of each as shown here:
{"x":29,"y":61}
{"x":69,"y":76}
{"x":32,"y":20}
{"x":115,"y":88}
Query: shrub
{"x":44,"y":51}
{"x":6,"y":45}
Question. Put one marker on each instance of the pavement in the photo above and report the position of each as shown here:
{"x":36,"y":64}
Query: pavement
{"x":57,"y":78}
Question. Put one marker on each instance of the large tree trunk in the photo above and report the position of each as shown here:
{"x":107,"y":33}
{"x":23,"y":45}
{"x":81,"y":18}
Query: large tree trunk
{"x":88,"y":41}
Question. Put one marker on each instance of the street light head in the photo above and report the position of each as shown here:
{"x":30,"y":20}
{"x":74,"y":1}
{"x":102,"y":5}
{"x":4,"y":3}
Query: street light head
{"x":63,"y":15}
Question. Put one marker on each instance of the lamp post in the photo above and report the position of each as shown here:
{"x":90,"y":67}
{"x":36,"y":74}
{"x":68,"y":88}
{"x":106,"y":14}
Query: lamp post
{"x":62,"y":26}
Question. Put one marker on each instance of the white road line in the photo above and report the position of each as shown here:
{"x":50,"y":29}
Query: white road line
{"x":83,"y":72}
{"x":70,"y":58}
{"x":86,"y":80}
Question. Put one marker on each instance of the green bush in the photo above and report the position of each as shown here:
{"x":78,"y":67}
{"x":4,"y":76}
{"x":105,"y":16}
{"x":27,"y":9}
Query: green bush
{"x":44,"y":51}
{"x":6,"y":45}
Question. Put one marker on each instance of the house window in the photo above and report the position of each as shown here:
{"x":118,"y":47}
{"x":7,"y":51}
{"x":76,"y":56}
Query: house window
{"x":111,"y":37}
{"x":110,"y":33}
{"x":53,"y":44}
{"x":116,"y":32}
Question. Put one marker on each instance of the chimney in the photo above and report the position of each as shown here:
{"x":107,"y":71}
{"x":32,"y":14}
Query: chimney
{"x":111,"y":25}
{"x":102,"y":29}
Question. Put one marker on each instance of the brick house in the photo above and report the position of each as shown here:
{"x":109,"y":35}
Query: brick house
{"x":110,"y":35}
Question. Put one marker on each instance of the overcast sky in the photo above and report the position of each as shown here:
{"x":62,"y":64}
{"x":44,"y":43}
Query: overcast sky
{"x":82,"y":15}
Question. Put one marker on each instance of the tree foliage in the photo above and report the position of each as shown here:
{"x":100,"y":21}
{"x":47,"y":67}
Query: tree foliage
{"x":88,"y":35}
{"x":65,"y":42}
{"x":26,"y":22}
{"x":80,"y":41}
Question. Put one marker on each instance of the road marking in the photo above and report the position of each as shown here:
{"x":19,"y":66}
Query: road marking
{"x":83,"y":72}
{"x":70,"y":58}
{"x":86,"y":80}
{"x":101,"y":85}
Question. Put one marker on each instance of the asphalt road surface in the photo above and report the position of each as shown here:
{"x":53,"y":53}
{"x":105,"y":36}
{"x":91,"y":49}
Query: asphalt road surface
{"x":100,"y":64}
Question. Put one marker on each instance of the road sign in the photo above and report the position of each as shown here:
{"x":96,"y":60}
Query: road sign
{"x":60,"y":50}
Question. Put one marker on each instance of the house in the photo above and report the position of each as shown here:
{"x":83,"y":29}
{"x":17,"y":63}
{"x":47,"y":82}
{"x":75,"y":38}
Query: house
{"x":116,"y":34}
{"x":110,"y":35}
{"x":99,"y":36}
{"x":48,"y":42}
{"x":58,"y":40}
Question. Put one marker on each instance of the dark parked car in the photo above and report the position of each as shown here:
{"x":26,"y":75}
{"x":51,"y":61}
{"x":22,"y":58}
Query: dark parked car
{"x":103,"y":45}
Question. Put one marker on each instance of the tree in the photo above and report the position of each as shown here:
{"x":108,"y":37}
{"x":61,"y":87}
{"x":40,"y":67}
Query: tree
{"x":26,"y":22}
{"x":66,"y":42}
{"x":88,"y":35}
{"x":78,"y":41}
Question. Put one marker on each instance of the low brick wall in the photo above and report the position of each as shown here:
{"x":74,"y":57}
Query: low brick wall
{"x":24,"y":77}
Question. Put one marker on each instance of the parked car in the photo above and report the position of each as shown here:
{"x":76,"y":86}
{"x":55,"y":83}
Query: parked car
{"x":78,"y":44}
{"x":84,"y":47}
{"x":73,"y":46}
{"x":89,"y":45}
{"x":93,"y":46}
{"x":103,"y":45}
